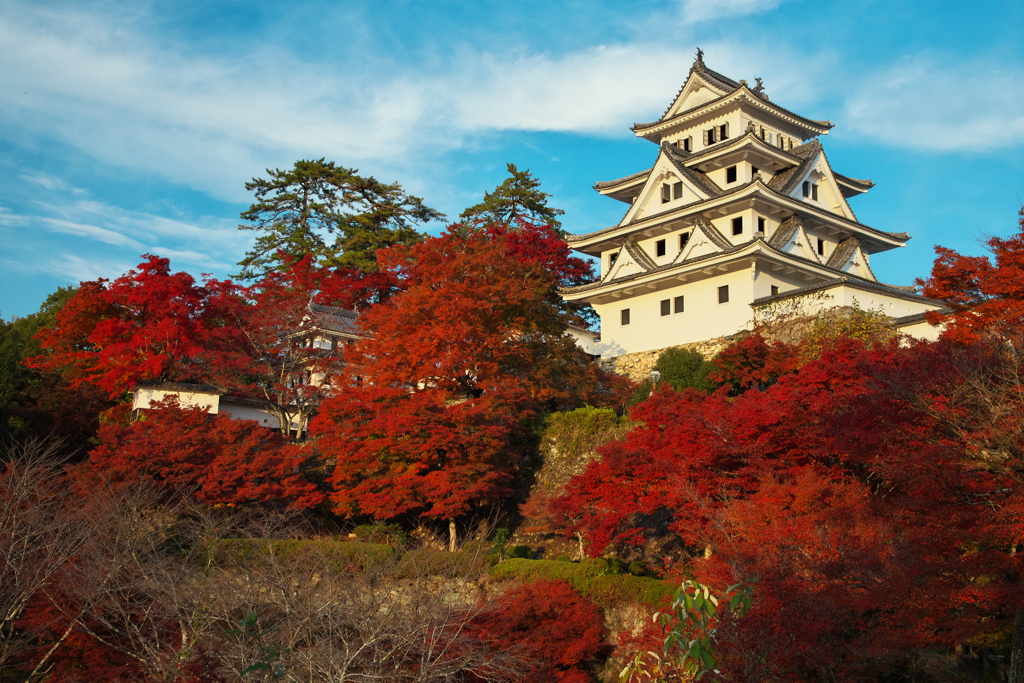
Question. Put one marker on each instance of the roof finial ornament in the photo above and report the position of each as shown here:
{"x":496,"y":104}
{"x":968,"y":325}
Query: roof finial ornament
{"x":699,"y":62}
{"x":759,"y":88}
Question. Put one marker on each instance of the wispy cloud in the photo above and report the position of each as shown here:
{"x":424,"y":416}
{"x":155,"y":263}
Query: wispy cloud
{"x":91,"y":232}
{"x":927,"y":103}
{"x":693,"y":11}
{"x":102,"y":237}
{"x":119,"y":95}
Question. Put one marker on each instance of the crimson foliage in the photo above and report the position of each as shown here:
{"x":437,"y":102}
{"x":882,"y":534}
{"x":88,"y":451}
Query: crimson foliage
{"x":841,"y":489}
{"x":147,"y":324}
{"x":560,"y":631}
{"x":399,"y":452}
{"x":219,"y":459}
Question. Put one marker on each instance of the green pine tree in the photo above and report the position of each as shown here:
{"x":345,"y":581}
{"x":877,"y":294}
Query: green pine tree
{"x":331,"y":212}
{"x":517,"y":198}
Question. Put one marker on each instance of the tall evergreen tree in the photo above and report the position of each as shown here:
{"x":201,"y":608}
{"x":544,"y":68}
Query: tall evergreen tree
{"x":331,"y":212}
{"x":518,"y":198}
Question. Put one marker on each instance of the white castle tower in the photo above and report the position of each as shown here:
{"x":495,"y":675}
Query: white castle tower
{"x":740,"y":209}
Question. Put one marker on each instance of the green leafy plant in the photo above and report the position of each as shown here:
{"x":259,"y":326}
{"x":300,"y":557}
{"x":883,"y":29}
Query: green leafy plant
{"x":688,"y":650}
{"x":249,"y":629}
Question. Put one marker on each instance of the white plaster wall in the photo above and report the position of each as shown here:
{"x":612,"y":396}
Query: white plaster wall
{"x":879,"y":302}
{"x":584,"y":339}
{"x":703,"y":318}
{"x":922,"y":330}
{"x":239,"y":412}
{"x":145,"y":396}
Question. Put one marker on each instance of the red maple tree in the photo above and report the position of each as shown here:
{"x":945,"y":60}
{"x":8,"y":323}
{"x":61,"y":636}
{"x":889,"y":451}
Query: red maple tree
{"x":984,"y":295}
{"x":555,"y":628}
{"x":148,"y":324}
{"x":213,"y":457}
{"x":839,"y":478}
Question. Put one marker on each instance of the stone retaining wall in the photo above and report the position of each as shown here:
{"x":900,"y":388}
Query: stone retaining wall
{"x":638,"y":366}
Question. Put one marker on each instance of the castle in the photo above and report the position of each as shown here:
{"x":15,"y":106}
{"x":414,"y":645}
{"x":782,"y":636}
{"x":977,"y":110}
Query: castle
{"x":740,"y":210}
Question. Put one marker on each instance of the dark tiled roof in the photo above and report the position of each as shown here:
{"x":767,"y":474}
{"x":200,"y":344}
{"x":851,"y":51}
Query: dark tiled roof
{"x":634,"y":276}
{"x":178,"y":386}
{"x":902,"y":236}
{"x":842,"y":253}
{"x":718,"y":147}
{"x":843,"y":277}
{"x":785,"y":181}
{"x":637,"y":127}
{"x":638,"y":254}
{"x":852,"y":280}
{"x":717,"y":238}
{"x":608,"y":184}
{"x":785,"y":232}
{"x":856,"y":182}
{"x":713,"y":77}
{"x":698,"y":178}
{"x":336,"y":319}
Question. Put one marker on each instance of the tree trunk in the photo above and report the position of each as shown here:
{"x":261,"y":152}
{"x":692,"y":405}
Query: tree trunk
{"x":451,"y":535}
{"x":1017,"y":649}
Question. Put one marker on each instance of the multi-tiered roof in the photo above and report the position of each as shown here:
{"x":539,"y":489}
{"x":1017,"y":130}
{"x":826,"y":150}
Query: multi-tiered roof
{"x":739,"y":183}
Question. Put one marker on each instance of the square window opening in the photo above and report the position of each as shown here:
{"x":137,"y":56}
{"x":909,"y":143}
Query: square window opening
{"x":659,"y":248}
{"x":737,"y":225}
{"x":683,"y":239}
{"x":677,"y":304}
{"x":775,"y":290}
{"x":666,"y":306}
{"x":723,"y":294}
{"x":625,"y":316}
{"x":677,"y":190}
{"x":730,"y":174}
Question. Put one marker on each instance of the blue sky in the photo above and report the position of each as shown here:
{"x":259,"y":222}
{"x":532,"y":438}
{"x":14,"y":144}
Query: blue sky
{"x":132,"y":127}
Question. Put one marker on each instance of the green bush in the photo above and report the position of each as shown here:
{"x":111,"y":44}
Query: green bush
{"x":580,"y":431}
{"x":638,"y":568}
{"x":682,"y":368}
{"x":523,"y":552}
{"x":392,"y":534}
{"x":419,"y":563}
{"x":590,"y":578}
{"x":616,"y":566}
{"x":563,"y":558}
{"x":342,"y":555}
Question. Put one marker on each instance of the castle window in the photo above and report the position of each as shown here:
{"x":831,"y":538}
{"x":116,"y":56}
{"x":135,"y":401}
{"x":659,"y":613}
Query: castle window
{"x":666,"y":306}
{"x":723,"y":132}
{"x":730,"y":174}
{"x":723,"y":294}
{"x":760,"y":224}
{"x":737,"y":225}
{"x":754,"y":170}
{"x":677,"y":190}
{"x":666,"y":193}
{"x":709,"y":137}
{"x":810,"y":190}
{"x":775,"y":290}
{"x":807,"y":188}
{"x":821,"y":247}
{"x":687,"y":144}
{"x":683,"y":239}
{"x":659,"y":248}
{"x":625,"y":316}
{"x":814,"y":191}
{"x":678,"y":304}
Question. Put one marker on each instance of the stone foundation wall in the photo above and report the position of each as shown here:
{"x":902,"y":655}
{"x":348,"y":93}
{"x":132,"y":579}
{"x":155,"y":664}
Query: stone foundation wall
{"x":638,"y":366}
